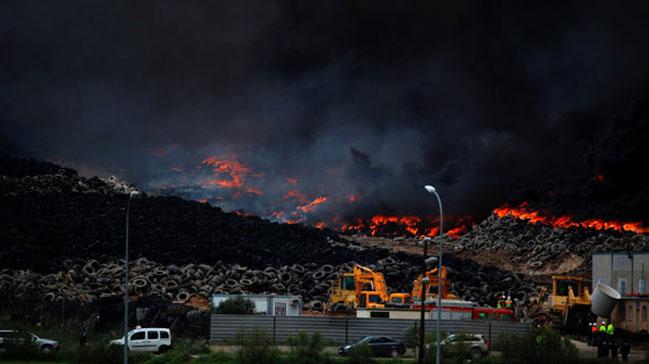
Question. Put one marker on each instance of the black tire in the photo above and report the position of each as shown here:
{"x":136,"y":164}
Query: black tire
{"x":163,"y":349}
{"x":47,"y":348}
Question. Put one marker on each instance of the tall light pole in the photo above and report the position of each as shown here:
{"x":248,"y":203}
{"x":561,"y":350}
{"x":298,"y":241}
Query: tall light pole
{"x":422,"y":319}
{"x":438,"y":351}
{"x":128,"y":210}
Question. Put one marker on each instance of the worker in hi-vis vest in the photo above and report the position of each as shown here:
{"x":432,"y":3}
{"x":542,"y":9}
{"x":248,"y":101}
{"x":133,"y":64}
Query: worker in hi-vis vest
{"x":610,"y":329}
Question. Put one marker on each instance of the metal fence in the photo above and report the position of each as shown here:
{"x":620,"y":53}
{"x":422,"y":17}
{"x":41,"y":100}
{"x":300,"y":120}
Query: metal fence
{"x":345,"y":330}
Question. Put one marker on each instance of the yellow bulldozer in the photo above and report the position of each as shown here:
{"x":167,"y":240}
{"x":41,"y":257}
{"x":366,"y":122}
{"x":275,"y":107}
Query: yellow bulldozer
{"x":567,"y":306}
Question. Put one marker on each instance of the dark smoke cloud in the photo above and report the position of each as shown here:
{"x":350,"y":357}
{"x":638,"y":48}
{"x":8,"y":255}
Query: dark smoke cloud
{"x":351,"y":97}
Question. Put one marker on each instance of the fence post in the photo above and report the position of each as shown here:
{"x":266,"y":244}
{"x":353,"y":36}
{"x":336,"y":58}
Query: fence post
{"x":346,"y":331}
{"x":274,"y":328}
{"x":490,"y":341}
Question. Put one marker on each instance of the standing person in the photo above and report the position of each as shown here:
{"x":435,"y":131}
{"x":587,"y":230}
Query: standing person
{"x":625,"y":349}
{"x":83,"y":337}
{"x":614,"y":348}
{"x":599,"y":341}
{"x":593,"y":334}
{"x":610,"y":329}
{"x":606,"y":345}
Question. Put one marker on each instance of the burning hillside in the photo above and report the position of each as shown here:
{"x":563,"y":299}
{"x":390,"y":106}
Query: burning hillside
{"x":64,"y":237}
{"x":524,"y":212}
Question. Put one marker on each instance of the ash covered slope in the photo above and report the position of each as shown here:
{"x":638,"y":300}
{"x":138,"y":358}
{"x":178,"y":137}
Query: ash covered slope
{"x":50,"y":214}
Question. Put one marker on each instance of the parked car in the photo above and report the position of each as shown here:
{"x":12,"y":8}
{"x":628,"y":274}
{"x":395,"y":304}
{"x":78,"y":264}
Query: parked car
{"x":147,"y":339}
{"x":18,"y":337}
{"x":380,"y":345}
{"x":478,"y":345}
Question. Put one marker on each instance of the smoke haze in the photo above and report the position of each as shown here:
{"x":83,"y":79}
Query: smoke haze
{"x":348,"y":100}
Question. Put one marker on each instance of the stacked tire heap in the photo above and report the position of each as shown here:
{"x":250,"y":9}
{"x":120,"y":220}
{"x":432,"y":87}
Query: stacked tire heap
{"x":534,"y":245}
{"x":63,"y":235}
{"x":91,"y":280}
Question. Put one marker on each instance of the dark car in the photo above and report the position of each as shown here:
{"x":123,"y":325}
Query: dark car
{"x":380,"y":345}
{"x":19,"y":337}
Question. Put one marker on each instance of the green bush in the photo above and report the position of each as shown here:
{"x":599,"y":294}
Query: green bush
{"x":192,"y":347}
{"x":214,"y":358}
{"x":103,"y":354}
{"x":236,"y":305}
{"x":457,"y":353}
{"x":361,"y":354}
{"x":411,"y":336}
{"x":174,"y":356}
{"x":541,"y":346}
{"x":306,"y":350}
{"x":100,"y":354}
{"x":21,"y":347}
{"x":256,"y":347}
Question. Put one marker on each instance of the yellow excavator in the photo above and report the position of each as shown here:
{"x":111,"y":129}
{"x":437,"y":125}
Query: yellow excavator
{"x":365,"y":288}
{"x":434,"y":286}
{"x":360,"y":288}
{"x":568,"y":305}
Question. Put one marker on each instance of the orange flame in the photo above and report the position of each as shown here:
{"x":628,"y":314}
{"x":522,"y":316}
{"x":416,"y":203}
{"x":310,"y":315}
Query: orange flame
{"x":230,"y":166}
{"x":383,"y":225}
{"x":523,"y":212}
{"x":313,"y":204}
{"x":320,"y":225}
{"x":255,"y":191}
{"x":295,"y":195}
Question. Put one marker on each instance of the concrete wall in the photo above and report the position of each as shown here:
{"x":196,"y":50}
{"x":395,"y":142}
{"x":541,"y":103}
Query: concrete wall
{"x":628,"y":272}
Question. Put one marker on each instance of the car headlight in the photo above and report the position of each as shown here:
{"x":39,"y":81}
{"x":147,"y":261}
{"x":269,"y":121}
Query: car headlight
{"x":347,"y":347}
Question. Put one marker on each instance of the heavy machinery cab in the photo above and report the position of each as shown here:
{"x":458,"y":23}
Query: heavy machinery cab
{"x":569,"y":291}
{"x":434,"y":286}
{"x":567,"y":305}
{"x":360,"y":288}
{"x":400,"y":298}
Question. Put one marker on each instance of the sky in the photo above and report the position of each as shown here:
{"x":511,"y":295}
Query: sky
{"x":336,"y":99}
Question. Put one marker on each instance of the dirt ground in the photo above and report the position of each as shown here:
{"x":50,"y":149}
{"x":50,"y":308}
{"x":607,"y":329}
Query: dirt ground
{"x":500,"y":258}
{"x":590,"y":352}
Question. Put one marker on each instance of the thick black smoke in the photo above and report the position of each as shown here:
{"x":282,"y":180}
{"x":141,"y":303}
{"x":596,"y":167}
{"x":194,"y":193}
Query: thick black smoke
{"x":351,"y":97}
{"x":617,"y":188}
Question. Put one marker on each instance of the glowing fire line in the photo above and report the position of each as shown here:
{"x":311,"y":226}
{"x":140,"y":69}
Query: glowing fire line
{"x":523,"y":212}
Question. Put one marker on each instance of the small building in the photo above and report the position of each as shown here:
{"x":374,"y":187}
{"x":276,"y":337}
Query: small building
{"x":268,"y":304}
{"x":628,"y":273}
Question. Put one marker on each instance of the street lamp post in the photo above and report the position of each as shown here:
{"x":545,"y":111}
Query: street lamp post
{"x":438,"y":349}
{"x":422,"y":320}
{"x":128,"y":209}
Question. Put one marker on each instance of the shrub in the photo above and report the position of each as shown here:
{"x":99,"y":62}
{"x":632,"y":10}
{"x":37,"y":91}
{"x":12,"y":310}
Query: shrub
{"x":361,"y":354}
{"x":411,"y":336}
{"x":174,"y":356}
{"x":100,"y":354}
{"x":24,"y":351}
{"x":236,"y":305}
{"x":540,"y":346}
{"x":192,"y":347}
{"x":216,"y":357}
{"x":256,"y":347}
{"x":305,"y":349}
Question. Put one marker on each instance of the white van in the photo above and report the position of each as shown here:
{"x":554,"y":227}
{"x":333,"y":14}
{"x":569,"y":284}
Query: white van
{"x":147,"y":339}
